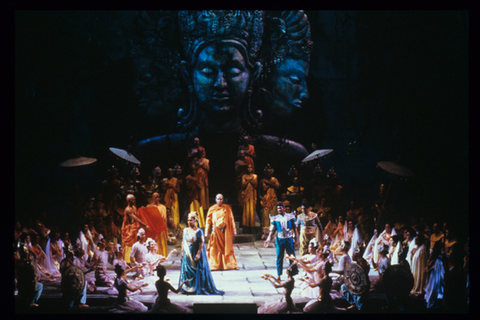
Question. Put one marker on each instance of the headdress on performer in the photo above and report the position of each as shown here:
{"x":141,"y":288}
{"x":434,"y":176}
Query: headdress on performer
{"x":193,"y":215}
{"x":100,"y":237}
{"x":314,"y":242}
{"x":383,"y":248}
{"x":326,"y":251}
{"x":150,"y":242}
{"x":345,"y":245}
{"x":280,"y":204}
{"x":140,"y":231}
{"x":268,"y":167}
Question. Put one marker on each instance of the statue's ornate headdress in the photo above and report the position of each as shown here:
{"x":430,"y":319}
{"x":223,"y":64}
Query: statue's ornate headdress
{"x":204,"y":26}
{"x":288,"y":35}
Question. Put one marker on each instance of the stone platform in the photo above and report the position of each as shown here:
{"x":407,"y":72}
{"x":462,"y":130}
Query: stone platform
{"x":245,"y":290}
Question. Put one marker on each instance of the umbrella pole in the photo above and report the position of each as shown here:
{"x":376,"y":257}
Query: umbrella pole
{"x":386,"y":195}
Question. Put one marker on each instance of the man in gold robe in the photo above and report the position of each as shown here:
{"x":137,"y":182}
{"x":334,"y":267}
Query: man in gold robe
{"x":220,"y":245}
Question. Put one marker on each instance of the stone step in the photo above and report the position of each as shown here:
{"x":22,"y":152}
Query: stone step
{"x":242,"y":238}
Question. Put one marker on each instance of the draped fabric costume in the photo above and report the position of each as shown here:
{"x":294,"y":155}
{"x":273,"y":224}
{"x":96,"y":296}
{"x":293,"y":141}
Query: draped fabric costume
{"x":155,"y":218}
{"x":384,"y":238}
{"x":171,"y":200}
{"x":51,"y":264}
{"x":310,"y":227}
{"x":124,"y":304}
{"x":435,"y":283}
{"x":287,"y":306}
{"x":249,"y":203}
{"x":202,"y":173}
{"x":193,"y":198}
{"x":269,"y":204}
{"x":368,"y":254}
{"x":196,"y":272}
{"x":220,"y":246}
{"x":129,"y":233}
{"x":323,"y":302}
{"x":162,"y":303}
{"x":86,"y":246}
{"x":419,"y":262}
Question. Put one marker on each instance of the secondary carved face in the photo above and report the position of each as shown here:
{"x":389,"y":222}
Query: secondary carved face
{"x":220,"y":79}
{"x":289,"y":86}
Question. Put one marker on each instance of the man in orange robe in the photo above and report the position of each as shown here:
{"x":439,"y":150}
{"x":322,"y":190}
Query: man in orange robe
{"x":155,"y":215}
{"x":220,"y":245}
{"x":131,"y":225}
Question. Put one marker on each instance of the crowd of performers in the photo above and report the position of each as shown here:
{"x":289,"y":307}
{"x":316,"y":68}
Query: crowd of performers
{"x":129,"y":225}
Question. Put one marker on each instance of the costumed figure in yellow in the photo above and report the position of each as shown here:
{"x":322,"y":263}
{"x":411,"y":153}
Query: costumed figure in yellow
{"x":131,"y":225}
{"x":269,"y":187}
{"x":171,"y":188}
{"x":221,"y":223}
{"x":249,"y":197}
{"x":192,"y":194}
{"x":240,"y":169}
{"x":203,"y":166}
{"x":310,"y":227}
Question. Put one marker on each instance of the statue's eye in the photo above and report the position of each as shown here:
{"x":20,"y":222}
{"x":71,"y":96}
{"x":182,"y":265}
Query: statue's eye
{"x":206,"y":71}
{"x":235,"y":72}
{"x":295,"y":79}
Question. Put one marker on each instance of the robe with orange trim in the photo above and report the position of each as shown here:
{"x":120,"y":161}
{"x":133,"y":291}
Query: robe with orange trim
{"x":129,"y":233}
{"x":220,"y":245}
{"x":155,"y":218}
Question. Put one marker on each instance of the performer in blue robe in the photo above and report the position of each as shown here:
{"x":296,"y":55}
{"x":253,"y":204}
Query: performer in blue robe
{"x":195,"y":267}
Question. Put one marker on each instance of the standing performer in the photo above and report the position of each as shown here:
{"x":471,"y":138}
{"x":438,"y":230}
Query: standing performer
{"x":203,"y":166}
{"x":194,"y":267}
{"x":284,"y":224}
{"x":220,"y":247}
{"x":171,"y":187}
{"x":240,"y":169}
{"x":193,"y":191}
{"x":249,"y":197}
{"x":131,"y":225}
{"x":310,"y":227}
{"x":158,"y":222}
{"x":269,"y":186}
{"x":249,"y":150}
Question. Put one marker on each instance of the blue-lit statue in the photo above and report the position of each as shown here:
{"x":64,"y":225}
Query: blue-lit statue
{"x":208,"y":64}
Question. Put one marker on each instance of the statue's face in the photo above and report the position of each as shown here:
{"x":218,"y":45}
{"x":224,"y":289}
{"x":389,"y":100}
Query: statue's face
{"x":220,"y":79}
{"x":289,"y":86}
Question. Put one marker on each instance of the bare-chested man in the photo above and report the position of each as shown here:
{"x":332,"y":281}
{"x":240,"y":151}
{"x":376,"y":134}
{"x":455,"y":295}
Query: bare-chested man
{"x":131,"y":225}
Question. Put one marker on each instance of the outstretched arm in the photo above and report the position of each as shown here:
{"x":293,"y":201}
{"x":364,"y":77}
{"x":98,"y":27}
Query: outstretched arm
{"x":179,"y":288}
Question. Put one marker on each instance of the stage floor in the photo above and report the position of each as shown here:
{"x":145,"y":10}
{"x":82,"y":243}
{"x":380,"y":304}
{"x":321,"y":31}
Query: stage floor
{"x":243,"y":288}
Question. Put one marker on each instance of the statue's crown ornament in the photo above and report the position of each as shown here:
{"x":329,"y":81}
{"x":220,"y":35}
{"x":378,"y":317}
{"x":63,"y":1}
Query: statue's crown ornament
{"x":205,"y":26}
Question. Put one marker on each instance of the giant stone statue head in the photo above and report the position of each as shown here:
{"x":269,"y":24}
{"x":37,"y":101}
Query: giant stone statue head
{"x":286,"y":56}
{"x":220,"y":68}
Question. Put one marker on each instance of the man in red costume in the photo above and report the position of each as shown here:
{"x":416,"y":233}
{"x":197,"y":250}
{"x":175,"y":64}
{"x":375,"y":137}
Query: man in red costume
{"x":155,"y":215}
